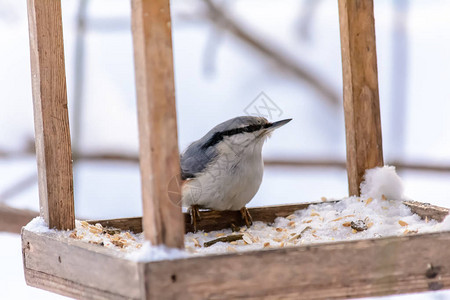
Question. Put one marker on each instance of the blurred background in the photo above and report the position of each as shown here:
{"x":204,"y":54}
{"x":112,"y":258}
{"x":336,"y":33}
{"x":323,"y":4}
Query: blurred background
{"x":280,"y":59}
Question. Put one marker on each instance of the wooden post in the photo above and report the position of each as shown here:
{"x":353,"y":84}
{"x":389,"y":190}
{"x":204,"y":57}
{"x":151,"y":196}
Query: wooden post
{"x":51,"y":118}
{"x":163,"y":221}
{"x":361,"y":103}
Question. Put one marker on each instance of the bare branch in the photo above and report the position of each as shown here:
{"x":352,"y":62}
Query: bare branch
{"x":219,"y":18}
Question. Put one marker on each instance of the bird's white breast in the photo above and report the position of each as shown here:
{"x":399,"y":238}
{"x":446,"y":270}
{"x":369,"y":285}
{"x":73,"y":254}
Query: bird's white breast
{"x":229,"y":182}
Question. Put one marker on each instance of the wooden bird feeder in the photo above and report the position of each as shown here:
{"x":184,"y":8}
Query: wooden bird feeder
{"x":381,"y":266}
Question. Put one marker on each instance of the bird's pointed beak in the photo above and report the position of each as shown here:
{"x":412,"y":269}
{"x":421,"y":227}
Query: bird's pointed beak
{"x":278,"y":124}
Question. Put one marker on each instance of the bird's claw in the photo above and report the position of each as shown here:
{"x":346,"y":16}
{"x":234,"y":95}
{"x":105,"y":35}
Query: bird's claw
{"x":246,"y":216}
{"x":194,"y":211}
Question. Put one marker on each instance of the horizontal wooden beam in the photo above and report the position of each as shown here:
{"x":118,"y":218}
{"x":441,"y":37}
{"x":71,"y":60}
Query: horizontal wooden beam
{"x":342,"y":270}
{"x":13,"y":219}
{"x":338,"y":270}
{"x":216,"y":220}
{"x":77,"y":269}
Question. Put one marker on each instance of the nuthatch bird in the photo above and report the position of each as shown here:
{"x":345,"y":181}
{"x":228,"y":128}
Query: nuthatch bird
{"x":223,"y":170}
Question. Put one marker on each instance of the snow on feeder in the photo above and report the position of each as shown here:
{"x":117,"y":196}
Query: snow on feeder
{"x":370,"y":244}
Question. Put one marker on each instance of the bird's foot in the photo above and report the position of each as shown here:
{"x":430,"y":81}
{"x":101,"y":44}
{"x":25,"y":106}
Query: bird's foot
{"x":246,"y":216}
{"x":194,"y":211}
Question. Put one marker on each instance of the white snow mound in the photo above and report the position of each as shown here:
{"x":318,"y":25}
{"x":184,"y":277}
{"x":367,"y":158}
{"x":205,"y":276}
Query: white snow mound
{"x":382,"y":181}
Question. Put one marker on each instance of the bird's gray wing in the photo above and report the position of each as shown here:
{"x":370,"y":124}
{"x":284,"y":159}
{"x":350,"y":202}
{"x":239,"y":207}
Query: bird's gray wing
{"x":199,"y":154}
{"x":195,"y":159}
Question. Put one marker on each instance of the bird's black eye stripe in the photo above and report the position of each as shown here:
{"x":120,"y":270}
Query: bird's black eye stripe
{"x":218,"y":136}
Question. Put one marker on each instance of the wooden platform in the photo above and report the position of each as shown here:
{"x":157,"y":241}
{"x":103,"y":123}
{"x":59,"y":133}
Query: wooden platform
{"x":348,"y":269}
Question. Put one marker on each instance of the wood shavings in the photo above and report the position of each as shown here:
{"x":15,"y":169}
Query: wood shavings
{"x":228,"y":239}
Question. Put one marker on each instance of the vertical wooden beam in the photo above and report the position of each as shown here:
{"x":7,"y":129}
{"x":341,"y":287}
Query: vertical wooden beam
{"x":163,"y":221}
{"x":51,"y":118}
{"x":361,"y":100}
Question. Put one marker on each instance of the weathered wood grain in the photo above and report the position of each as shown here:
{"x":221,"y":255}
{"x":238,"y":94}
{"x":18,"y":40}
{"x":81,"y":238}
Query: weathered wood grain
{"x":66,"y":287}
{"x":82,"y":265}
{"x":51,"y":119}
{"x":216,"y":220}
{"x":12,"y":219}
{"x":159,"y":155}
{"x":426,"y":210}
{"x":361,"y":98}
{"x":327,"y":271}
{"x":361,"y":268}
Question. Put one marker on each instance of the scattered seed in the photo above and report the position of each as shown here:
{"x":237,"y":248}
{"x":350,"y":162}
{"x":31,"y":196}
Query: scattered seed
{"x":343,"y":217}
{"x":291,"y":224}
{"x":354,"y":231}
{"x":278,"y":229}
{"x":308,"y":221}
{"x":368,"y":201}
{"x":347,"y":224}
{"x":247,"y":239}
{"x":402,"y":223}
{"x":290,"y":217}
{"x":220,"y":234}
{"x":73,"y":234}
{"x":266,"y":244}
{"x":314,"y":214}
{"x":231,"y":249}
{"x":196,"y":242}
{"x":84,"y":224}
{"x":383,"y":197}
{"x":323,"y":199}
{"x":295,"y":237}
{"x":118,"y":244}
{"x":128,"y":235}
{"x":359,"y":225}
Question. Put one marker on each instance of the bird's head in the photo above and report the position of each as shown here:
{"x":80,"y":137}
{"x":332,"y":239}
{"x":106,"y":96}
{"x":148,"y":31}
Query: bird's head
{"x":241,"y":133}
